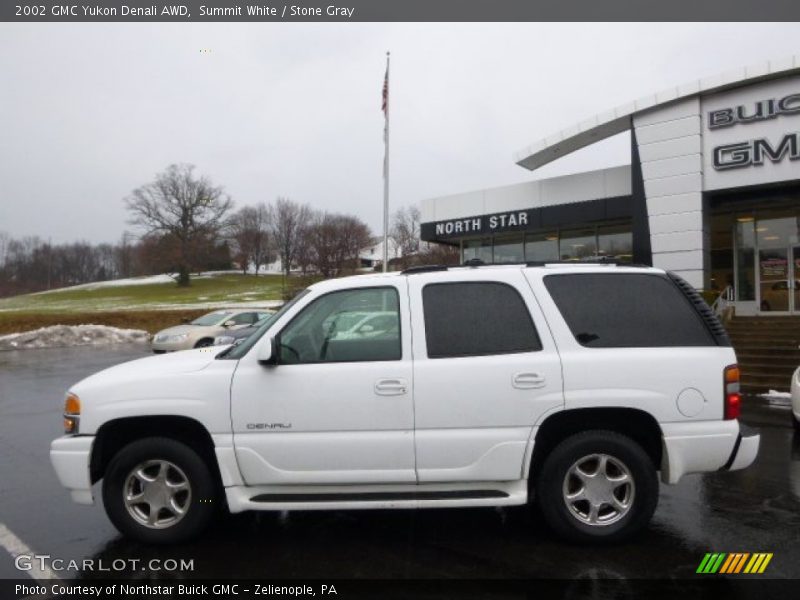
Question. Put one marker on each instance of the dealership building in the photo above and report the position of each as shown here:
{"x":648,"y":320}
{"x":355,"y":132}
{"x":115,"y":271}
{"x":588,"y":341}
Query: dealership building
{"x":712,"y":192}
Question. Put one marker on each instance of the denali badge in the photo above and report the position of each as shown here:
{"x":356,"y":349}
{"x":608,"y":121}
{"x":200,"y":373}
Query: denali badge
{"x":269,"y":425}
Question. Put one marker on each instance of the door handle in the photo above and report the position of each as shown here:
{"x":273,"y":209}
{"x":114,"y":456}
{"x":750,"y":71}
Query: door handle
{"x":391,"y":387}
{"x":527,"y":381}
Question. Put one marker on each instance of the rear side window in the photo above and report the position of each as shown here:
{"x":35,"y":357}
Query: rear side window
{"x":617,"y":310}
{"x":476,"y":319}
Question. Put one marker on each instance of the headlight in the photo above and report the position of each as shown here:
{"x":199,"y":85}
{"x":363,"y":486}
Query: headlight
{"x":72,"y":413}
{"x":179,"y":337}
{"x":224,"y":340}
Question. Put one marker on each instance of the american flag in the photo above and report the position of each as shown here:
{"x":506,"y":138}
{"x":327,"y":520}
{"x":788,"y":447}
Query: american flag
{"x":385,"y":95}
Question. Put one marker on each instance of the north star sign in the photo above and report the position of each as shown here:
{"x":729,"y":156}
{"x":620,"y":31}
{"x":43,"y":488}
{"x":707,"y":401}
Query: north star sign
{"x":755,"y":152}
{"x":499,"y":222}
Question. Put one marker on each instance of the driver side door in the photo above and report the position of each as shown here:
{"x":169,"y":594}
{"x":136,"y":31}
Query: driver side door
{"x":338,"y":406}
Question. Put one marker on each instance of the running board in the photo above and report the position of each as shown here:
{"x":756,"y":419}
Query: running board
{"x":377,"y":496}
{"x":381,"y":496}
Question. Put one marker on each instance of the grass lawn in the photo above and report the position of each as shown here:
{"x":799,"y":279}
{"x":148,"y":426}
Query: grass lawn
{"x":151,"y":306}
{"x":210,"y":290}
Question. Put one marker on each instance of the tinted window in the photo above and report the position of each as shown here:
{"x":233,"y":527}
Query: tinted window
{"x":346,"y":326}
{"x":618,"y":310}
{"x":474,"y":319}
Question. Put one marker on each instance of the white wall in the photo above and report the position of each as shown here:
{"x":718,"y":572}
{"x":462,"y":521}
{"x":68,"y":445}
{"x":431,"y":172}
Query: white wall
{"x":593,"y":185}
{"x":670,"y":149}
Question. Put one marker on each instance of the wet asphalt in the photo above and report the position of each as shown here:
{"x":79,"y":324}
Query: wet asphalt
{"x":756,"y":510}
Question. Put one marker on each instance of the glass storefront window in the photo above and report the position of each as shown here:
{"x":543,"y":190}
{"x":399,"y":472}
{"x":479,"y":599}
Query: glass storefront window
{"x":480,"y":249}
{"x":615,"y":242}
{"x":745,"y":259}
{"x":775,"y":237}
{"x":541,"y":247}
{"x":509,"y":250}
{"x":577,"y":244}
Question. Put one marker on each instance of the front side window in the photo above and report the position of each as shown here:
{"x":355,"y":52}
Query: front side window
{"x":346,"y":326}
{"x":616,"y":310}
{"x":242,"y":319}
{"x":476,"y":319}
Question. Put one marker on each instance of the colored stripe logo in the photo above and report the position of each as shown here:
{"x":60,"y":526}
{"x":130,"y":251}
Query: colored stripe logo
{"x":733,"y":563}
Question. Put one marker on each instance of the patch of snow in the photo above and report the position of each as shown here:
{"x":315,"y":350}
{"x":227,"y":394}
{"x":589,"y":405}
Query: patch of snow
{"x":145,"y":280}
{"x":776,"y":394}
{"x":776,"y":398}
{"x":59,"y":336}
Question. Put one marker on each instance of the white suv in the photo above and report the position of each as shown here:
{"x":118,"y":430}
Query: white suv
{"x":572,"y":386}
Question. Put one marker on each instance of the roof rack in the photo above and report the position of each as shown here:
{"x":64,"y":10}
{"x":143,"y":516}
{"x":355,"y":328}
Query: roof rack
{"x":474,"y":262}
{"x":423,"y":269}
{"x":602,"y":261}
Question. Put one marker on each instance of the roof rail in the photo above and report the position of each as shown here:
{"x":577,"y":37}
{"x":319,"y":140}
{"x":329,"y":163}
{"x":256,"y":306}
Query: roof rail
{"x":474,"y":262}
{"x":423,"y":269}
{"x":601,"y":260}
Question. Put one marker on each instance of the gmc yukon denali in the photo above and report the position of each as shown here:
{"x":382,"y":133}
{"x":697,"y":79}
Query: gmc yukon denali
{"x":573,"y":388}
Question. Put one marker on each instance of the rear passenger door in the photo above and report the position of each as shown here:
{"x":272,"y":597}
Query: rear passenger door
{"x":485,"y":370}
{"x":633,"y":339}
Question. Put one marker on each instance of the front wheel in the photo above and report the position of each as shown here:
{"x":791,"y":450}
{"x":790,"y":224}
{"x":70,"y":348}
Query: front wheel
{"x":597,"y":486}
{"x":159,"y":491}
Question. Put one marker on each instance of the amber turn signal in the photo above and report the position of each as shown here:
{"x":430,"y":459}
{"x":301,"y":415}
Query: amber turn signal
{"x":72,"y":406}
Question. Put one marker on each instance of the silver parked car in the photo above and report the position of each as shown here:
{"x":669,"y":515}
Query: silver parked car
{"x":202,"y":331}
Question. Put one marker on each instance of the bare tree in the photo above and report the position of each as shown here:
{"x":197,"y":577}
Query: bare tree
{"x":405,"y":230}
{"x":288,"y":220}
{"x":250,"y":231}
{"x":335,"y":241}
{"x":4,"y":239}
{"x":304,"y":256}
{"x":183,"y":206}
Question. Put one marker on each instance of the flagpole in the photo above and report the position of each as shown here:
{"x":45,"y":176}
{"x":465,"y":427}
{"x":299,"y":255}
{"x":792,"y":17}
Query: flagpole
{"x":386,"y":174}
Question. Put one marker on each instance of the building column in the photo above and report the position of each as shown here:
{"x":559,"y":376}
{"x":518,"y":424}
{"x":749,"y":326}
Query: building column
{"x":669,"y":143}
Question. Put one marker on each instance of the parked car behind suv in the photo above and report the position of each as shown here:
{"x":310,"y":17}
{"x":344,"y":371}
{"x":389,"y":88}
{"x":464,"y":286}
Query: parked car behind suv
{"x":235,"y":336}
{"x":572,"y":387}
{"x":201,"y":332}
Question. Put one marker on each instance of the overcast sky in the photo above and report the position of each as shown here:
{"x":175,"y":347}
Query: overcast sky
{"x":88,"y":112}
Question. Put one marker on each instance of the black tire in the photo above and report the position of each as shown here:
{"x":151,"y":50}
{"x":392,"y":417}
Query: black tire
{"x":200,"y":502}
{"x":622,"y":451}
{"x":796,"y":423}
{"x":204,"y":343}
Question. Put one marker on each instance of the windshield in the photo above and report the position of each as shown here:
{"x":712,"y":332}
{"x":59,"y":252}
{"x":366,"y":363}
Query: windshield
{"x":238,"y":351}
{"x":211,"y":318}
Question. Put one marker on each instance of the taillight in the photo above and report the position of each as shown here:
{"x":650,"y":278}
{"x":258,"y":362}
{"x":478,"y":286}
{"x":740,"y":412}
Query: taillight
{"x":733,"y":399}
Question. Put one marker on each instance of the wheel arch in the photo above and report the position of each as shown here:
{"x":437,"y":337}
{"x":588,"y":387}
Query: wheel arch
{"x":636,"y":424}
{"x":114,"y":435}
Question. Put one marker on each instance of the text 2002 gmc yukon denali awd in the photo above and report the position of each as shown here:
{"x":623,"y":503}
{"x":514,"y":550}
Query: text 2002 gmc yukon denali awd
{"x":568,"y":386}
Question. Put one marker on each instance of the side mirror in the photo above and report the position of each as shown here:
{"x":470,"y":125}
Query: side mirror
{"x":268,"y":351}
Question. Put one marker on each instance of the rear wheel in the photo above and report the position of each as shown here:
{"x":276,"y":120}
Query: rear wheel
{"x":597,"y":486}
{"x":159,"y":491}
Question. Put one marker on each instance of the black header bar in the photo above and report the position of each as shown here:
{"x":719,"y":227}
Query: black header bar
{"x":399,"y":11}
